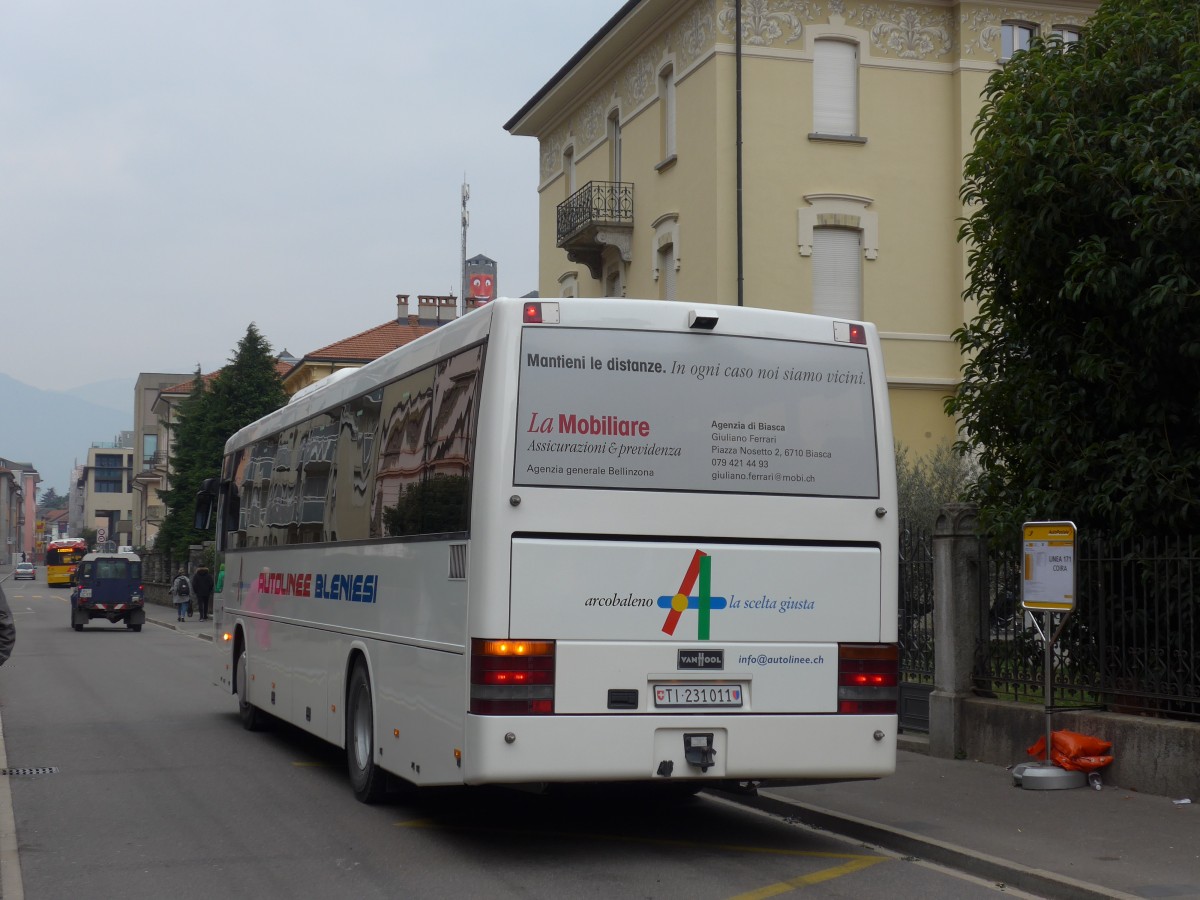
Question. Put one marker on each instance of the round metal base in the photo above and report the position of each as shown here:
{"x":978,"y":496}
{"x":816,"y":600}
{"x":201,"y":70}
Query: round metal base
{"x":1045,"y":776}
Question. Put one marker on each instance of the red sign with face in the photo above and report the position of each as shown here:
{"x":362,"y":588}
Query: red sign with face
{"x":481,"y":287}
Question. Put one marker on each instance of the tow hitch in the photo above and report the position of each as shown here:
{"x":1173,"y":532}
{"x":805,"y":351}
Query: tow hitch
{"x":698,"y":750}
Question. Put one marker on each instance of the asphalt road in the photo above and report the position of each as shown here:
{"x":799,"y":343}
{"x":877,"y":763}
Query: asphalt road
{"x":129,"y":776}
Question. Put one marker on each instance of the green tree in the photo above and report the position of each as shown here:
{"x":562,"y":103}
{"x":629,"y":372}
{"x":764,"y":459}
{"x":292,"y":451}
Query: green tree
{"x":927,"y":483}
{"x":1079,"y":395}
{"x":246,"y":389}
{"x":188,"y":457}
{"x":51,"y":499}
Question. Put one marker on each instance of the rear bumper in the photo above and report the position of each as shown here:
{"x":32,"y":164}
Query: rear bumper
{"x":133,"y":615}
{"x":523,"y":749}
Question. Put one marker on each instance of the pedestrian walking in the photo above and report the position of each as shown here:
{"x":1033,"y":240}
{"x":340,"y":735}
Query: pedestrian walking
{"x":8,"y":629}
{"x":202,"y":585}
{"x":181,"y":594}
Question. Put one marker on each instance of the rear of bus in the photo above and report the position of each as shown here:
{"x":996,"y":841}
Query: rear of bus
{"x":683,"y":564}
{"x":61,"y":559}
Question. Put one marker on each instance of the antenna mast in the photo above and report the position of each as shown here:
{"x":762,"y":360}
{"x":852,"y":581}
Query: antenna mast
{"x":466,"y":217}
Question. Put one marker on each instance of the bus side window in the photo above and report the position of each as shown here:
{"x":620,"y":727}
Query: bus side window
{"x":229,"y":524}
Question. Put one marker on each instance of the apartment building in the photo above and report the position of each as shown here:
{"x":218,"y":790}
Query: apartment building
{"x":803,"y":155}
{"x":104,"y":488}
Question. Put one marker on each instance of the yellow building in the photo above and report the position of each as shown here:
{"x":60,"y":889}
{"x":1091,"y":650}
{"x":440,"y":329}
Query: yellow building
{"x":809,"y":160}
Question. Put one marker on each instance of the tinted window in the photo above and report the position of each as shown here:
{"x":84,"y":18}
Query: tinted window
{"x":394,"y":462}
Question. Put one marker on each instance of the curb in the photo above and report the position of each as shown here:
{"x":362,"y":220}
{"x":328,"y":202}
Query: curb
{"x":174,"y":626}
{"x":1004,"y":872}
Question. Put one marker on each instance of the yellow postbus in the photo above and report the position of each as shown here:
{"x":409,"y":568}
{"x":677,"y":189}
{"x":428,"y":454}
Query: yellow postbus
{"x":61,"y":559}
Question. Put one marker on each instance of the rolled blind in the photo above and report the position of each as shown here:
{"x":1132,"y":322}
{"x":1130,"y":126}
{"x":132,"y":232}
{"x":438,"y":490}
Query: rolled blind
{"x":837,"y":273}
{"x":835,"y":87}
{"x":666,"y":271}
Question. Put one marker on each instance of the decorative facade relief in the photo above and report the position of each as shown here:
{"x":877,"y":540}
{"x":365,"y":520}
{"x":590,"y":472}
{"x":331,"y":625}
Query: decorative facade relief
{"x":908,"y":32}
{"x":552,"y":148}
{"x":902,"y":31}
{"x":592,"y":123}
{"x":766,"y":21}
{"x":694,"y":34}
{"x":640,"y":78}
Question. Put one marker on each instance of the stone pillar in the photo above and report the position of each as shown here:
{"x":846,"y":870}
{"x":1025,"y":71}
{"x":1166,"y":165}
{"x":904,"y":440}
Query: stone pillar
{"x":956,"y":618}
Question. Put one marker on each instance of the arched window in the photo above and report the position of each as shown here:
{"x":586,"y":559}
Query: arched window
{"x":568,"y":284}
{"x":666,"y":100}
{"x":614,"y":145}
{"x":1015,"y":36}
{"x":569,"y":169}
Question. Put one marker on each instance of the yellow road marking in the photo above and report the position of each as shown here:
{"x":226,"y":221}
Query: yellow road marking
{"x":417,"y":823}
{"x":855,"y":864}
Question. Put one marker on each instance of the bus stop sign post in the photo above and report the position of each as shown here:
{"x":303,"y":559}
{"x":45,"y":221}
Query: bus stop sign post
{"x":1048,"y":584}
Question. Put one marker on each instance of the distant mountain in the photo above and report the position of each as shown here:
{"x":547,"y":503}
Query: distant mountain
{"x":116,"y":393}
{"x":52,"y":430}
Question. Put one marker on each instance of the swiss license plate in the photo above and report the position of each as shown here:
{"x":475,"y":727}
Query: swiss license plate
{"x":689,"y":695}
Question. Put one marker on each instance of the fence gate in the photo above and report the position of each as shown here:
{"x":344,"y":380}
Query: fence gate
{"x":915,"y":627}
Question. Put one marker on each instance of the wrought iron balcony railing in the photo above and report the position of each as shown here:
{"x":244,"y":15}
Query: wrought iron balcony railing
{"x":596,"y":203}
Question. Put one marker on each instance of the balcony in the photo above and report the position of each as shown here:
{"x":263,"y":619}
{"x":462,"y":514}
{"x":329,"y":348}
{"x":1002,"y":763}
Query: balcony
{"x":597,"y":216}
{"x":152,"y":471}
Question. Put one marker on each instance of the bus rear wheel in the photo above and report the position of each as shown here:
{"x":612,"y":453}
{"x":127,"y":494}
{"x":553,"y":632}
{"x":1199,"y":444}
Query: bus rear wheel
{"x":252,"y":717}
{"x":367,"y":779}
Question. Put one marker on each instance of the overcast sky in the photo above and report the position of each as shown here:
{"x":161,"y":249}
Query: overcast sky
{"x":172,"y":170}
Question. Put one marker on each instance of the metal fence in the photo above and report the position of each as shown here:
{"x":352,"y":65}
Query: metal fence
{"x":915,"y":603}
{"x":1131,"y":645}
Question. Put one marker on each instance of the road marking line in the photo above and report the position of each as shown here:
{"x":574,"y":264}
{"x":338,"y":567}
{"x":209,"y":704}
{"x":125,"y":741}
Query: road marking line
{"x":855,"y":864}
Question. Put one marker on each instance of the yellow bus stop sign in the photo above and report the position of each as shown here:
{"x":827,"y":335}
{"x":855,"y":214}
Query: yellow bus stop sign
{"x":1048,"y":566}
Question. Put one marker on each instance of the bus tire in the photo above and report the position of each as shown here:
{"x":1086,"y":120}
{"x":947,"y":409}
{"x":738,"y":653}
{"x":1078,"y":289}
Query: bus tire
{"x":77,"y":627}
{"x":253,"y":718}
{"x":367,"y":779}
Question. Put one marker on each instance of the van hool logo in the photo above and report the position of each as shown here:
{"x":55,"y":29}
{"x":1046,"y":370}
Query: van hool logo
{"x":704,"y":602}
{"x":700,"y":659}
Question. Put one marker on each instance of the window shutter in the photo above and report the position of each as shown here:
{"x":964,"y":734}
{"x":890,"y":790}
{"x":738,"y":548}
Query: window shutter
{"x":837,"y":273}
{"x":666,"y":271}
{"x":835,"y":87}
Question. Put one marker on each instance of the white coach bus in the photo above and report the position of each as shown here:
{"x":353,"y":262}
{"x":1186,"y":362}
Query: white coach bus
{"x":575,"y":540}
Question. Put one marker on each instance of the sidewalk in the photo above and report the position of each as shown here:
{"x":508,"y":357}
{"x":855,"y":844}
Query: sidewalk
{"x":167,"y":618}
{"x":1076,"y":843}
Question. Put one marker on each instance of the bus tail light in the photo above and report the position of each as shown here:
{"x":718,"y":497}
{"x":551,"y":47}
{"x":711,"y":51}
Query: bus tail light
{"x":512,"y":677}
{"x":868,"y":678}
{"x":544,"y":312}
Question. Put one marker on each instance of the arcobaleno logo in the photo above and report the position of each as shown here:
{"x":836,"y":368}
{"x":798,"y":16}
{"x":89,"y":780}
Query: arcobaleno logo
{"x":699,"y":570}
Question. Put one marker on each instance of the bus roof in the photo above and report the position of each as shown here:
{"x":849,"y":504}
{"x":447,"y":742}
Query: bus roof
{"x":475,"y":326}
